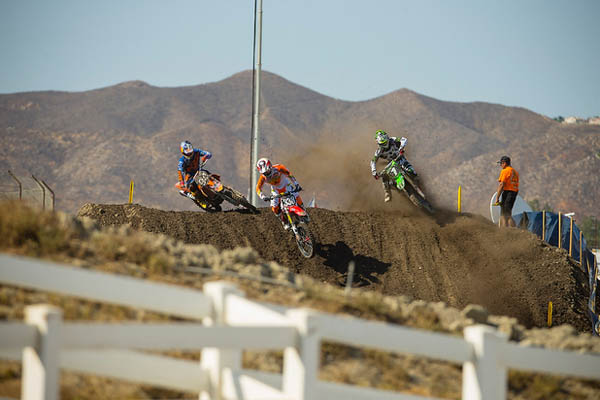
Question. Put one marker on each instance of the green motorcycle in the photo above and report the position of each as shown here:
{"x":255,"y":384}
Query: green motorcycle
{"x":405,"y":180}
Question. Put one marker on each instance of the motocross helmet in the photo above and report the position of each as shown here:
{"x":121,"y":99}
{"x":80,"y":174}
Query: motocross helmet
{"x":264,"y":167}
{"x":382,"y":138}
{"x":186,"y":149}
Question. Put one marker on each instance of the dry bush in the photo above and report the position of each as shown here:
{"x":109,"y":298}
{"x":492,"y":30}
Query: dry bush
{"x":31,"y":231}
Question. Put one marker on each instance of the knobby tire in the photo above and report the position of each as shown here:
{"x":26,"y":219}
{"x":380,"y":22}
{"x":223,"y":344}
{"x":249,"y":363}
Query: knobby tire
{"x":306,"y":242}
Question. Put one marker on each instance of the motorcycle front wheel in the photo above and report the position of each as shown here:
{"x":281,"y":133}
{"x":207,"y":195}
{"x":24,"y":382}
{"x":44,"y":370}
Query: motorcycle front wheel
{"x":305,"y":240}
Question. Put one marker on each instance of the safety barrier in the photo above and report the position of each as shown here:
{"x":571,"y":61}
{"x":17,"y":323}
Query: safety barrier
{"x":230,"y":324}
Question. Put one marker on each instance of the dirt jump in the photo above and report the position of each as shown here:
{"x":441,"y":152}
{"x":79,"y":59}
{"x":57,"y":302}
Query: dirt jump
{"x":458,"y":259}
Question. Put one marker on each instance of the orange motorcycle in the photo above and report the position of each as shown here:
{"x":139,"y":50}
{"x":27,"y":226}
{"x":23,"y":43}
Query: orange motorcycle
{"x":208,"y":192}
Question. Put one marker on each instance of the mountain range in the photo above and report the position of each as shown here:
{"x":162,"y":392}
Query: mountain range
{"x":88,"y":146}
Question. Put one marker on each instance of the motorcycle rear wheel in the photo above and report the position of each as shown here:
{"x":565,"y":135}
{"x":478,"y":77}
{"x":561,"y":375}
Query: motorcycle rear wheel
{"x":420,"y":202}
{"x":305,"y":241}
{"x":237,"y":199}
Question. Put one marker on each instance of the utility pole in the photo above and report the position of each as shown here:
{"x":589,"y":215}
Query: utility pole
{"x":256,"y":103}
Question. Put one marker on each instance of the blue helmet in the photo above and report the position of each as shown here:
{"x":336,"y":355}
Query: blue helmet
{"x":186,"y":148}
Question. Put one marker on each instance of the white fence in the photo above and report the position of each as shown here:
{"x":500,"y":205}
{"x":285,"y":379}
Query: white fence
{"x":230,"y":324}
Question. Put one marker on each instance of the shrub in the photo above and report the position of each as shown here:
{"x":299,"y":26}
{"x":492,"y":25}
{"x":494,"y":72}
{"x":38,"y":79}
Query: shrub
{"x":32,"y":231}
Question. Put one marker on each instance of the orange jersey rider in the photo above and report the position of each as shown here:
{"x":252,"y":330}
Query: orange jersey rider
{"x":281,"y":181}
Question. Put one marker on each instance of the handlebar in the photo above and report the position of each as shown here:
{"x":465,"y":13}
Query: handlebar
{"x":397,"y":160}
{"x":278,"y":195}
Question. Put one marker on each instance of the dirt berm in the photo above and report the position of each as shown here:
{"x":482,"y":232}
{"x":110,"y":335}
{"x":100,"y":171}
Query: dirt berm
{"x":459,"y":259}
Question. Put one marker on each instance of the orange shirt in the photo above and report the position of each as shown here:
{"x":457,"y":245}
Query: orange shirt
{"x":510,"y":177}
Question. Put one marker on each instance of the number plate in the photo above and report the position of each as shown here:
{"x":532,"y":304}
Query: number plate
{"x":288,"y":201}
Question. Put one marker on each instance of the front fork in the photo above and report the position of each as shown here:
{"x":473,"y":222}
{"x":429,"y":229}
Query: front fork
{"x":293,"y":225}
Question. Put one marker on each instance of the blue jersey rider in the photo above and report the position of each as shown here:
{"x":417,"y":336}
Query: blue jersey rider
{"x":189,"y":163}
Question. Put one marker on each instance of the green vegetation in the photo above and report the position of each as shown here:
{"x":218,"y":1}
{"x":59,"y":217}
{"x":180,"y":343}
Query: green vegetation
{"x":536,"y":205}
{"x":590,"y":227}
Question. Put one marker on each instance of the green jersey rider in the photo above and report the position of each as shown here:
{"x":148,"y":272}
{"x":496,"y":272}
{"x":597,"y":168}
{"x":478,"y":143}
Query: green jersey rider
{"x":390,"y":148}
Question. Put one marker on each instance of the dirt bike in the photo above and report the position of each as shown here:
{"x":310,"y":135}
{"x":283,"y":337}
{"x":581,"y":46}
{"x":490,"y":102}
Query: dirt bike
{"x":211,"y":192}
{"x":298,"y":219}
{"x":405,"y":180}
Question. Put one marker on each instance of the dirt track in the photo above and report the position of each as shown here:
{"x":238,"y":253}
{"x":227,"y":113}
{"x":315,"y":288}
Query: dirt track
{"x":455,"y":258}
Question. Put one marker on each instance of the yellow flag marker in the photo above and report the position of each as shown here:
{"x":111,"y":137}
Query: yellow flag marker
{"x":131,"y":191}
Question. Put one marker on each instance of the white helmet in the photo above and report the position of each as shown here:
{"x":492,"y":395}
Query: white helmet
{"x":382,"y":138}
{"x":264,"y":167}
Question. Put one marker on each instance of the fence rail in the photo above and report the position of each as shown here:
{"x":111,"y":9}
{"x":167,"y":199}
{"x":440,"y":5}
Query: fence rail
{"x":230,"y":324}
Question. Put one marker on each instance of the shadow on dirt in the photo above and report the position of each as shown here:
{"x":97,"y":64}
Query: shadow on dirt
{"x":338,"y":257}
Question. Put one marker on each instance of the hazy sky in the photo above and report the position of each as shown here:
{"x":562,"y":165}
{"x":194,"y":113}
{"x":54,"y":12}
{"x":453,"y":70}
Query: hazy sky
{"x":543,"y":55}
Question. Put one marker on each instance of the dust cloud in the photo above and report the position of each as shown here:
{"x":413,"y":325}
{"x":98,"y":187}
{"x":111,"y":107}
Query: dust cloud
{"x":337,"y":173}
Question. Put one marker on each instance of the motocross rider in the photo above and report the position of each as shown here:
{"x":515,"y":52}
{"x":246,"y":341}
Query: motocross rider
{"x":390,"y":148}
{"x":189,"y":164}
{"x":281,"y":181}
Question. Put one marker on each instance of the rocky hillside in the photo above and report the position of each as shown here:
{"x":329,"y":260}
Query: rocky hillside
{"x":88,"y":146}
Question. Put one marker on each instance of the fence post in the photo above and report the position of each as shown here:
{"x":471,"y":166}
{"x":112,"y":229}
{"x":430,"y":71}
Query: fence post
{"x":214,"y":360}
{"x":51,"y":193}
{"x":349,"y":279}
{"x":544,"y":226}
{"x":41,"y":364}
{"x":484,"y":377}
{"x":18,"y":183}
{"x":560,"y":230}
{"x":571,"y":238}
{"x":580,"y":247}
{"x":301,"y":363}
{"x":43,"y":192}
{"x":459,"y":197}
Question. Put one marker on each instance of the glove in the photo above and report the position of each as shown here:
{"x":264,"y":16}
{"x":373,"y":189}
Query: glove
{"x":264,"y":197}
{"x":298,"y":187}
{"x":376,"y":176}
{"x":497,"y":204}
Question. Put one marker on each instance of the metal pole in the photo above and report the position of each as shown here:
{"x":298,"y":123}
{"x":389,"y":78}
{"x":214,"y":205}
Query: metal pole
{"x":43,"y":192}
{"x":18,"y":183}
{"x":51,"y":191}
{"x":256,"y":110}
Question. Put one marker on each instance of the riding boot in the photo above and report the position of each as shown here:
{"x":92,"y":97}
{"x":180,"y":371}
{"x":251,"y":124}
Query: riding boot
{"x":388,"y":195}
{"x":387,"y":191}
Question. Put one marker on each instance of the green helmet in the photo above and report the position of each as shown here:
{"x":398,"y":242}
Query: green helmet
{"x":381,"y":137}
